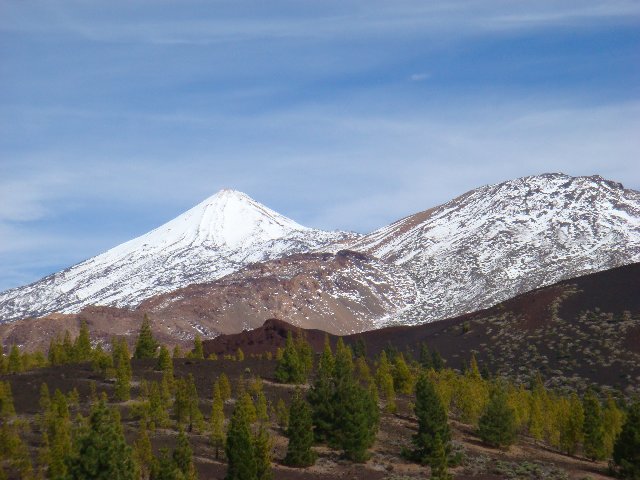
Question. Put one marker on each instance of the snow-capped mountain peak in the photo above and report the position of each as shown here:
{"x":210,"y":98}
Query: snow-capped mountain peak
{"x":218,"y":236}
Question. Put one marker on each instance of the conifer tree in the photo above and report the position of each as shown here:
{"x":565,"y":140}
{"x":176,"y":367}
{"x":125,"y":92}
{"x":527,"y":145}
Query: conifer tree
{"x":261,"y":407}
{"x":305,"y":354}
{"x":593,"y":427}
{"x":432,"y":421}
{"x":183,"y":457}
{"x":438,"y":460}
{"x":146,"y":345}
{"x":626,"y":450}
{"x":196,"y":419}
{"x":122,"y":388}
{"x":282,"y":414}
{"x":177,"y":352}
{"x":497,"y":426}
{"x":570,"y":422}
{"x":7,"y":408}
{"x":402,"y":378}
{"x":437,"y":361}
{"x":321,"y":394}
{"x":290,"y":368}
{"x":158,"y":406}
{"x":216,"y":424}
{"x":58,"y":434}
{"x":262,"y":453}
{"x":613,"y":419}
{"x":82,"y":345}
{"x":198,"y":349}
{"x":165,"y":362}
{"x":225,"y":387}
{"x":239,"y":355}
{"x":101,"y":452}
{"x":67,"y":347}
{"x":143,"y":454}
{"x":356,"y":419}
{"x":300,"y":434}
{"x":239,"y":446}
{"x":426,"y":359}
{"x":165,"y":468}
{"x":536,"y":408}
{"x":384,"y":380}
{"x":15,"y":360}
{"x":362,"y":370}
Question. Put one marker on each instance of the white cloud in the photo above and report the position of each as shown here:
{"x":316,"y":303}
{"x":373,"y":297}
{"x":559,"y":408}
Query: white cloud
{"x":419,"y":77}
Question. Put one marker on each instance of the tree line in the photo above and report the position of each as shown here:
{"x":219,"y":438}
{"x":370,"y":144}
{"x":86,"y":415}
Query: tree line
{"x":341,"y":408}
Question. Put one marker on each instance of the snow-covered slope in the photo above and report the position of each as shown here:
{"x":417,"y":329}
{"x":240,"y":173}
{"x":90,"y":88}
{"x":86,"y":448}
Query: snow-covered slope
{"x":497,"y":241}
{"x":216,"y":237}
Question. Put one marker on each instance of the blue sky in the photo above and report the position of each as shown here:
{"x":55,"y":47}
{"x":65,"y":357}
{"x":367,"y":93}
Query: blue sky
{"x":117,"y":116}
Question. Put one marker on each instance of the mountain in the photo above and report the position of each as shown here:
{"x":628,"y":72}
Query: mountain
{"x":498,"y":241}
{"x":575,"y":332}
{"x":343,"y":292}
{"x":219,"y":236}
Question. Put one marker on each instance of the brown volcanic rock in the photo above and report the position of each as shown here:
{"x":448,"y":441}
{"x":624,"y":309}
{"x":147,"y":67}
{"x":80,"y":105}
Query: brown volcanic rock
{"x":577,"y":331}
{"x":343,"y":292}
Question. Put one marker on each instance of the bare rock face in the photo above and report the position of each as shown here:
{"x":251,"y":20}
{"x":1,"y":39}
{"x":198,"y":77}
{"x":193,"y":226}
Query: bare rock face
{"x":219,"y":236}
{"x":498,"y":241}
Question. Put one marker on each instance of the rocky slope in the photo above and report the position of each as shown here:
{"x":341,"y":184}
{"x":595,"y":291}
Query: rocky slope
{"x":497,"y":241}
{"x":342,"y":293}
{"x":577,"y":332}
{"x":219,"y":236}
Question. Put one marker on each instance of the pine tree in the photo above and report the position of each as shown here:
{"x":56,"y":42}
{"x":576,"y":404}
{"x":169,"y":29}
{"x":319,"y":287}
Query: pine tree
{"x":165,"y":468}
{"x":282,"y":414}
{"x":67,"y":348}
{"x":7,"y":409}
{"x":183,"y":457}
{"x":536,"y":408}
{"x":239,"y":447}
{"x":613,"y":419}
{"x":239,"y":355}
{"x":593,"y":427}
{"x":402,"y":378}
{"x":122,"y":388}
{"x":300,"y":434}
{"x":177,"y":352}
{"x":321,"y":395}
{"x":165,"y":362}
{"x":262,"y":453}
{"x":305,"y":354}
{"x":82,"y":346}
{"x":384,"y":380}
{"x":216,"y":424}
{"x":158,"y":406}
{"x":571,"y":421}
{"x":432,"y":421}
{"x":225,"y":387}
{"x":438,"y":460}
{"x":290,"y":368}
{"x":426,"y":359}
{"x":356,"y":419}
{"x":198,"y":349}
{"x":101,"y":451}
{"x":497,"y":426}
{"x":437,"y":361}
{"x":261,"y":407}
{"x":15,"y":360}
{"x":626,"y":450}
{"x":58,"y":434}
{"x":143,"y":454}
{"x":146,"y":345}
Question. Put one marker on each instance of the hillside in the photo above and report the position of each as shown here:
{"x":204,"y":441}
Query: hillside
{"x":575,"y":332}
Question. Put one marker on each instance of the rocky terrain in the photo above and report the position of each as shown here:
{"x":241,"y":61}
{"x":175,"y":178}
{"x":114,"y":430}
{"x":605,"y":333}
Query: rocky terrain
{"x":345,"y":292}
{"x":497,"y":241}
{"x":578,"y":332}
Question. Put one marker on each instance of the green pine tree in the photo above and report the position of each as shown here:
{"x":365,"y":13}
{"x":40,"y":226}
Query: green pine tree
{"x":300,"y":434}
{"x":438,"y":460}
{"x":146,"y":345}
{"x":225,"y":387}
{"x":571,"y":424}
{"x":290,"y":368}
{"x":262,"y":454}
{"x":593,"y":427}
{"x":183,"y":457}
{"x":101,"y":452}
{"x":143,"y":454}
{"x":321,"y":395}
{"x":165,"y":362}
{"x":497,"y":426}
{"x":82,"y":346}
{"x":239,"y":446}
{"x":626,"y":451}
{"x":198,"y":349}
{"x":15,"y":360}
{"x":432,"y":421}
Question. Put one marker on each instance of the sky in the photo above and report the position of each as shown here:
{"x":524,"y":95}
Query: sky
{"x":116,"y":116}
